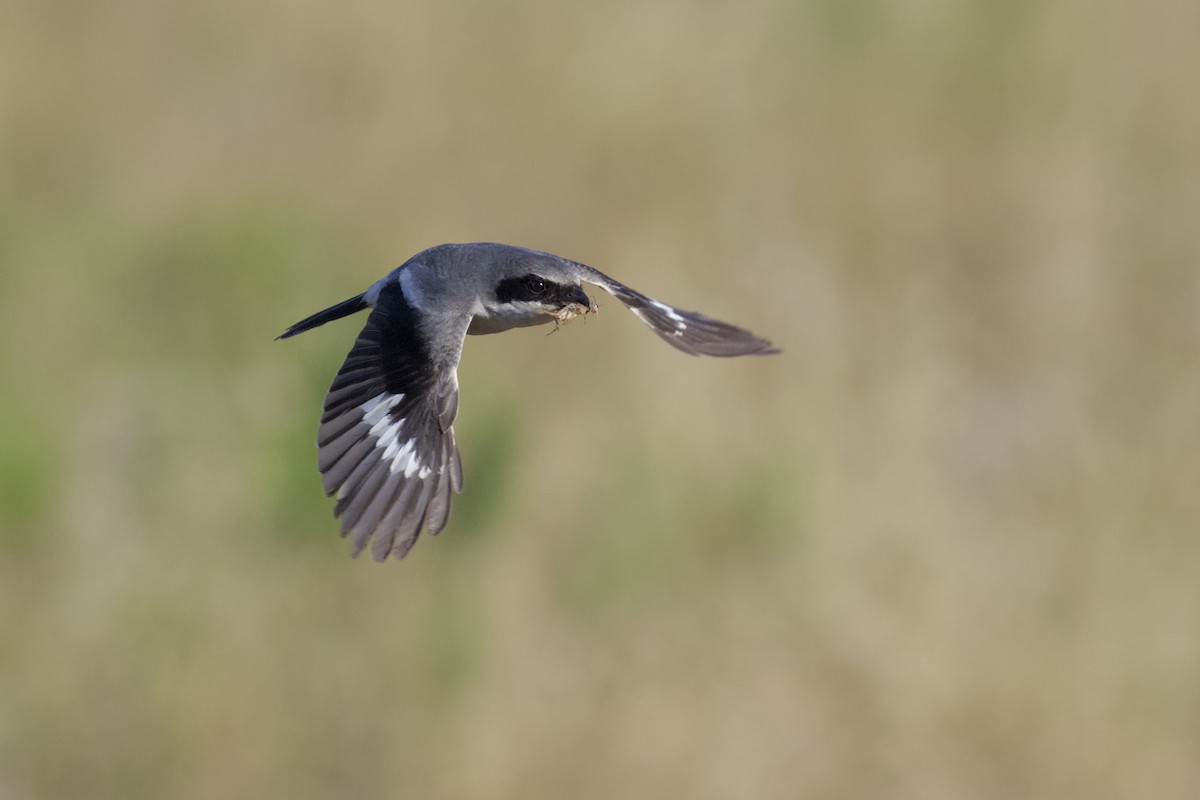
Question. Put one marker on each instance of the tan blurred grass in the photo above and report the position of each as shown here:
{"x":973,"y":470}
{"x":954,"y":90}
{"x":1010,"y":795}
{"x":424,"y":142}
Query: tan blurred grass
{"x":944,"y":546}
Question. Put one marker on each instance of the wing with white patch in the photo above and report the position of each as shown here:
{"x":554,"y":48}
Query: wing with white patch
{"x":386,"y":447}
{"x":689,"y":331}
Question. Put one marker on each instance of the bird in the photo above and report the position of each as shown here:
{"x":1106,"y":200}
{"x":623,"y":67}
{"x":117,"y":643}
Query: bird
{"x":385,"y":446}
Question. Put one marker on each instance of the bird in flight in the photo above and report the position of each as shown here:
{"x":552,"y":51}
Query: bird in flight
{"x":385,"y":447}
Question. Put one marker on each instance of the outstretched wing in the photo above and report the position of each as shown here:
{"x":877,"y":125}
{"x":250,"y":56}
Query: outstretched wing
{"x":386,"y":447}
{"x":690,"y":331}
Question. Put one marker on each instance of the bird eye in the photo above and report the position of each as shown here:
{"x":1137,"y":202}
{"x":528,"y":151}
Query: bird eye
{"x":536,"y":286}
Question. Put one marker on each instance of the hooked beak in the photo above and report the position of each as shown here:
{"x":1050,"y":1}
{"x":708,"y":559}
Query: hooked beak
{"x":577,"y":295}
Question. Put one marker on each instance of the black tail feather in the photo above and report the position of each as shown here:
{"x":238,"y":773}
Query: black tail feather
{"x":342,"y":309}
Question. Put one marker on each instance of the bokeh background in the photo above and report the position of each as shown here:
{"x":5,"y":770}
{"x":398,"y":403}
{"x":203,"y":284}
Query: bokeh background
{"x":944,"y":546}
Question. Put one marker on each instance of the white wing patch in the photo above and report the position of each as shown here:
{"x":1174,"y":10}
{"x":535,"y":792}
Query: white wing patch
{"x":376,"y":409}
{"x":676,"y":320}
{"x":386,"y":432}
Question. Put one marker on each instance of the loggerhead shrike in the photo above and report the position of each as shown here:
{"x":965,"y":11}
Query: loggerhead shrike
{"x":386,"y":447}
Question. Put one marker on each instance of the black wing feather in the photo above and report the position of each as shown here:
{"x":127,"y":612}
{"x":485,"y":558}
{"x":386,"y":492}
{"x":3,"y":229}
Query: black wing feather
{"x":386,"y":447}
{"x":689,"y":331}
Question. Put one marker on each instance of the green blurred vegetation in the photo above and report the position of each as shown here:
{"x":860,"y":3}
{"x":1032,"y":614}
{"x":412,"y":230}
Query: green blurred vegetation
{"x":945,"y":545}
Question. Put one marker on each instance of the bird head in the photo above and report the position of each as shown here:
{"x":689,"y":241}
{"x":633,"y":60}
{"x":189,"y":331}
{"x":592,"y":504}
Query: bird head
{"x":530,"y":288}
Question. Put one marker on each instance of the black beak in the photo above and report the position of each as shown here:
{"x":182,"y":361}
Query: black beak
{"x":577,"y":295}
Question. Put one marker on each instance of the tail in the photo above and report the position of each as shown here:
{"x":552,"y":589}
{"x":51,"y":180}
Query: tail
{"x":342,"y":309}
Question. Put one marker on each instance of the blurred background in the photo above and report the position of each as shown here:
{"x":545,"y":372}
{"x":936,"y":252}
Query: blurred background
{"x":944,"y":546}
